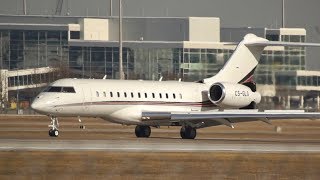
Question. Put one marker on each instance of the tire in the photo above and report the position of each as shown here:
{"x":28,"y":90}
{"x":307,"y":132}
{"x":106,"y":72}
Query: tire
{"x":183,"y":132}
{"x":143,"y":131}
{"x":55,"y":133}
{"x":146,"y":131}
{"x":192,"y":133}
{"x":138,"y":131}
{"x":188,"y":132}
{"x":50,"y":132}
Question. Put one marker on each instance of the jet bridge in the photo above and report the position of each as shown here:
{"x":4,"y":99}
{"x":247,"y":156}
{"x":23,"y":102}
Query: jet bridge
{"x":12,"y":80}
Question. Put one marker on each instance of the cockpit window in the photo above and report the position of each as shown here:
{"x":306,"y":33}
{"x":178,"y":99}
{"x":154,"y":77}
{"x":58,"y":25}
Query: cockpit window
{"x":54,"y":89}
{"x":60,"y":89}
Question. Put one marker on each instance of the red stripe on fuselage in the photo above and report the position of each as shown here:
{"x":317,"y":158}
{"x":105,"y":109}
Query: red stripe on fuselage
{"x":156,"y":103}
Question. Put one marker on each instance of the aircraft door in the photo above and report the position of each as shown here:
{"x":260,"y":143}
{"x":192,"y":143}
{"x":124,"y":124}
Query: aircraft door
{"x":87,"y":98}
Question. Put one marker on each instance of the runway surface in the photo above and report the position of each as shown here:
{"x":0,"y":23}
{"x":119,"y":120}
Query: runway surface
{"x":30,"y":133}
{"x":288,"y":149}
{"x":155,"y":145}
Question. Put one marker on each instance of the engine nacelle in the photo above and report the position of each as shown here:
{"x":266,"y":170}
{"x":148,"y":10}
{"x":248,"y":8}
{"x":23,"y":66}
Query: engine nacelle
{"x":228,"y":95}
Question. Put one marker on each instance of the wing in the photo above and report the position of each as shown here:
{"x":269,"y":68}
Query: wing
{"x":228,"y":118}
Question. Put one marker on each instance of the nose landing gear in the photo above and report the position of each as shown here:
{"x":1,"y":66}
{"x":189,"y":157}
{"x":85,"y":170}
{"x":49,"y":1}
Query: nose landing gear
{"x":54,"y":132}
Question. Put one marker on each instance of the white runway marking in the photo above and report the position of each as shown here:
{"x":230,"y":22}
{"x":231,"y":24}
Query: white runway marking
{"x":153,"y":145}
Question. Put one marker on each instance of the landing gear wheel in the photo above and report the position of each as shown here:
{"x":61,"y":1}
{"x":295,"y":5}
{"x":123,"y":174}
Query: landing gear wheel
{"x":188,"y":132}
{"x":53,"y":133}
{"x":50,"y":132}
{"x":56,"y":133}
{"x":143,"y":131}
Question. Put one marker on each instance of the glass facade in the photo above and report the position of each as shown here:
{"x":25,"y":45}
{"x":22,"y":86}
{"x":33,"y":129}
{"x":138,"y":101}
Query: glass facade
{"x":153,"y":63}
{"x":201,"y":63}
{"x":100,"y":61}
{"x":21,"y":49}
{"x":291,"y":58}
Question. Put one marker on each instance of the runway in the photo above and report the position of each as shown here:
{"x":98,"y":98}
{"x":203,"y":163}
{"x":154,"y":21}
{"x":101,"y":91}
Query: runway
{"x":288,"y":149}
{"x":30,"y":133}
{"x":157,"y":145}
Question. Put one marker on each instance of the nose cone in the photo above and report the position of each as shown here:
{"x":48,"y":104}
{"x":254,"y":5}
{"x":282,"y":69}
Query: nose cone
{"x":36,"y":105}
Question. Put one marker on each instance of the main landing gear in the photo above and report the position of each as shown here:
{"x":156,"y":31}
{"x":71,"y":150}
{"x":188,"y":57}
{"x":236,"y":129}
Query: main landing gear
{"x":143,"y":131}
{"x":188,"y":132}
{"x":54,"y":132}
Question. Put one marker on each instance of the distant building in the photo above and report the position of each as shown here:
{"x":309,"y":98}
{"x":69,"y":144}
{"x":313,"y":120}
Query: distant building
{"x":190,"y":48}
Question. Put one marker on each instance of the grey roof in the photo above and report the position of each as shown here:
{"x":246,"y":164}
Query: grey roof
{"x":136,"y":44}
{"x":23,"y":26}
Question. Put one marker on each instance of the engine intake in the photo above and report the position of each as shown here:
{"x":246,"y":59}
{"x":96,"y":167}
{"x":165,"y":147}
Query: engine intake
{"x":217,"y":93}
{"x":228,"y":95}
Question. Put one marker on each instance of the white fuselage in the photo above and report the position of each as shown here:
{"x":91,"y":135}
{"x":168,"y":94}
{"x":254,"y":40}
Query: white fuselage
{"x":122,"y":101}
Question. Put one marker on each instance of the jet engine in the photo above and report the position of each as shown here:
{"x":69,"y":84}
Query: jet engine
{"x":229,"y":95}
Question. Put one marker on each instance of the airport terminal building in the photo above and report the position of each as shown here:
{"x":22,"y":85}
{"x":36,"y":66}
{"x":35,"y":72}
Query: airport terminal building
{"x":189,"y":48}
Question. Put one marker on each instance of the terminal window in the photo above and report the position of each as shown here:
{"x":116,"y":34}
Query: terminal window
{"x":272,"y":37}
{"x":74,"y":34}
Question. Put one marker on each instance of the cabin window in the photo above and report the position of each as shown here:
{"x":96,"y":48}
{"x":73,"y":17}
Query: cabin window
{"x":118,"y":94}
{"x":180,"y":96}
{"x":132,"y":94}
{"x":145,"y":95}
{"x":153,"y":95}
{"x":104,"y":94}
{"x":139,"y":96}
{"x":111,"y":94}
{"x":125,"y":94}
{"x":68,"y":90}
{"x":167,"y":95}
{"x":174,"y":95}
{"x":160,"y":95}
{"x":97,"y":93}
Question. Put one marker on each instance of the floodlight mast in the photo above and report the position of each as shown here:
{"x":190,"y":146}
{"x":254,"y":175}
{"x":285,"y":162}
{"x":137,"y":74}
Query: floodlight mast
{"x":121,"y":73}
{"x":110,"y":8}
{"x":24,"y":7}
{"x":283,"y":21}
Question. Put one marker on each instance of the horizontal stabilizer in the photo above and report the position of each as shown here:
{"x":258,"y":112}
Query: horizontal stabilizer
{"x":280,"y":43}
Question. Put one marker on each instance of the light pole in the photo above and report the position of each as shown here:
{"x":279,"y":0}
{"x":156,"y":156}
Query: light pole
{"x":283,"y":21}
{"x":24,"y":7}
{"x":110,"y":8}
{"x":121,"y":74}
{"x":18,"y":82}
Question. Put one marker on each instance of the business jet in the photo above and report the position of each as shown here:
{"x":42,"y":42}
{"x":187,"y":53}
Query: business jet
{"x":191,"y":105}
